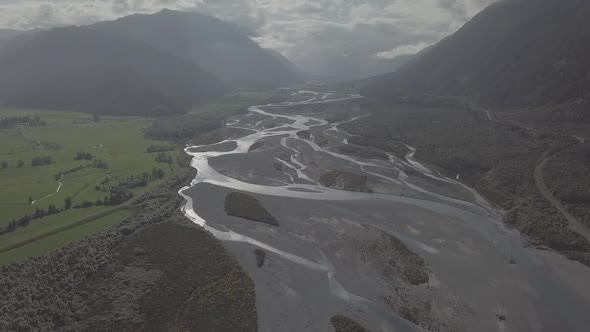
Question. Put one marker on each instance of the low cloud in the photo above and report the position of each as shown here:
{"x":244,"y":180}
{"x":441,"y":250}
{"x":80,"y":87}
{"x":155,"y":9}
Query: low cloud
{"x":322,"y":36}
{"x":402,"y":50}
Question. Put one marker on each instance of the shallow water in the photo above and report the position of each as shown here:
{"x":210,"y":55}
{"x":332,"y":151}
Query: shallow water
{"x":307,"y":279}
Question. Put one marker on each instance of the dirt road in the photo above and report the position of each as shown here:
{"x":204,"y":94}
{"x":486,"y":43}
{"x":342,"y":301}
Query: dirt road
{"x":572,"y":221}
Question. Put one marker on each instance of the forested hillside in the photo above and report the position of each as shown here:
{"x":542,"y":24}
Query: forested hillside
{"x":515,"y":53}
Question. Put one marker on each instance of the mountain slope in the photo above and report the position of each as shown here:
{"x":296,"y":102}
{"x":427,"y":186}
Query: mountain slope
{"x":515,"y":53}
{"x":95,"y":71}
{"x":9,"y":33}
{"x":285,"y":62}
{"x":210,"y":44}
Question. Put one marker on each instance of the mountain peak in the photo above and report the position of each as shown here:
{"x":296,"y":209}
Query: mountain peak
{"x":537,"y":56}
{"x":209,"y":43}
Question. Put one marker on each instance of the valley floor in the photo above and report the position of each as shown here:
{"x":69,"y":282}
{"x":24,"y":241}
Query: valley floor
{"x":532,"y":171}
{"x":339,"y":216}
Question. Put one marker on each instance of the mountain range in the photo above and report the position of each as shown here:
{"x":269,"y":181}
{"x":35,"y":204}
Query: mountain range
{"x":143,"y":64}
{"x":503,"y":105}
{"x":514,"y":54}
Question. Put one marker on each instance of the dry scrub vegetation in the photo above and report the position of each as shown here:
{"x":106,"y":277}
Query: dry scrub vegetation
{"x":155,"y":270}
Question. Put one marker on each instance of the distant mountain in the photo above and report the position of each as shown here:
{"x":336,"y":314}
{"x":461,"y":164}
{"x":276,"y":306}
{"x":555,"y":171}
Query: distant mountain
{"x":285,"y":62}
{"x":356,"y":66}
{"x":8,"y":33}
{"x":210,"y":44}
{"x":380,"y":66}
{"x":515,"y":53}
{"x":89,"y":70}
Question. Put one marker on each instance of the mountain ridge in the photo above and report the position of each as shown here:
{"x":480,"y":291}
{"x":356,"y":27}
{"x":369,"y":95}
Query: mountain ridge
{"x":537,"y":56}
{"x":81,"y":69}
{"x":153,"y":65}
{"x":211,"y":44}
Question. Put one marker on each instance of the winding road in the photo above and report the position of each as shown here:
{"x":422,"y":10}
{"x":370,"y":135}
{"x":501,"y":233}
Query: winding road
{"x":22,"y":132}
{"x":59,"y":185}
{"x":573,"y":222}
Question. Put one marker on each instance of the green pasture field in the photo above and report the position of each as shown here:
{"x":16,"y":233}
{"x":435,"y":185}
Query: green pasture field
{"x":62,"y":238}
{"x":117,"y":140}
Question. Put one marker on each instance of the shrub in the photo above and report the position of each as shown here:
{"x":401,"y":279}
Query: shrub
{"x":42,"y":161}
{"x":83,"y":156}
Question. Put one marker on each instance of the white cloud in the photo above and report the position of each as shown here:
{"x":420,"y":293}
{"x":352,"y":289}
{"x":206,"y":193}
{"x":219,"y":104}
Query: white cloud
{"x":316,"y":34}
{"x":402,"y":50}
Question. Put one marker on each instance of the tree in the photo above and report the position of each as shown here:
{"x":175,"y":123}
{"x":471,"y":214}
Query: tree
{"x":99,"y":163}
{"x":20,"y":163}
{"x":11,"y":226}
{"x":39,"y":213}
{"x":41,"y":161}
{"x":84,"y":205}
{"x":120,"y":195}
{"x":3,"y":164}
{"x":68,"y":203}
{"x":30,"y":200}
{"x":24,"y":221}
{"x":83,"y":156}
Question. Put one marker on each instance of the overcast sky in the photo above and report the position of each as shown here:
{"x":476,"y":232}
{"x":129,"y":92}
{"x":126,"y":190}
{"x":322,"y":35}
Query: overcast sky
{"x":319,"y":35}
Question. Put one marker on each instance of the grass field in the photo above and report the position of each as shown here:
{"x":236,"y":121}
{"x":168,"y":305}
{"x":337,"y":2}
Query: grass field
{"x":119,"y":141}
{"x":60,"y":239}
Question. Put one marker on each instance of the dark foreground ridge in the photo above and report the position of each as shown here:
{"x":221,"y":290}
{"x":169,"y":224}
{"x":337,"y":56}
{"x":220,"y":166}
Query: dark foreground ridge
{"x":153,"y":271}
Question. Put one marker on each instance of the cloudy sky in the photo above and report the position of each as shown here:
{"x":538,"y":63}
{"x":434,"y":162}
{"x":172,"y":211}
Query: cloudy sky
{"x":322,"y":36}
